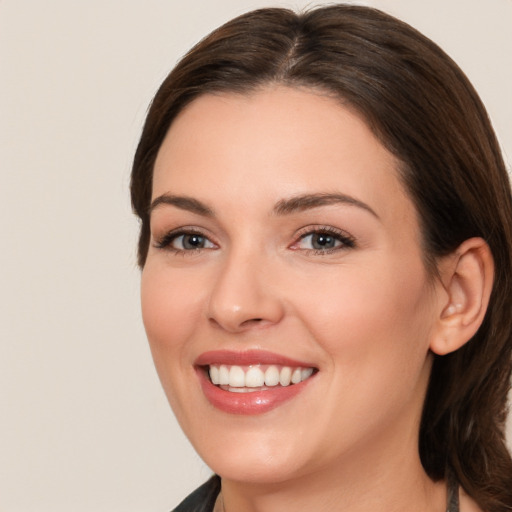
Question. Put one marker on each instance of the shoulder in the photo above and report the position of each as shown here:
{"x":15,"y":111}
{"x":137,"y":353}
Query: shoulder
{"x":202,"y":499}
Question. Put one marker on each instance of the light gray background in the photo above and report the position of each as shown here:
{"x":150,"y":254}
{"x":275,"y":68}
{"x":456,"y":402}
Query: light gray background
{"x":84,"y":425}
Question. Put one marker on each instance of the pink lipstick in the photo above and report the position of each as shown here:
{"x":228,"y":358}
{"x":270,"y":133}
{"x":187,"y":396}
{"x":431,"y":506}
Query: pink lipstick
{"x":251,"y":382}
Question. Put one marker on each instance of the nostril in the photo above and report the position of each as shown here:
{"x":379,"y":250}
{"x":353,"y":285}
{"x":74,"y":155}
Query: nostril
{"x":252,"y":321}
{"x":245,"y":323}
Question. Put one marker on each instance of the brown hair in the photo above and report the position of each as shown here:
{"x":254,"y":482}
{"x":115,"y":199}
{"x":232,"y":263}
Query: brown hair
{"x":425,"y":111}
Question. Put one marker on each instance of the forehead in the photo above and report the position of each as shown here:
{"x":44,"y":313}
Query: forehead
{"x":280,"y":141}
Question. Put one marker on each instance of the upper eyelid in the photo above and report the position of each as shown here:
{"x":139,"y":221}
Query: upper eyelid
{"x":307,"y":230}
{"x":168,"y":236}
{"x":181,"y":229}
{"x":161,"y":224}
{"x":348,"y":240}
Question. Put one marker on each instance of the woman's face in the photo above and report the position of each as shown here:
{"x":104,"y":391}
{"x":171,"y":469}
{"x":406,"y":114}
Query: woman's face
{"x":283,"y":246}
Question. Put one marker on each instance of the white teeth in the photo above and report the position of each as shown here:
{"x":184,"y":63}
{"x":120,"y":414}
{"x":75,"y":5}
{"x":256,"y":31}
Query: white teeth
{"x":286,"y":376}
{"x":255,"y":376}
{"x":236,"y":377}
{"x":214,"y":375}
{"x":296,"y":376}
{"x":306,"y":373}
{"x":242,"y":390}
{"x":224,"y":375}
{"x":272,"y":376}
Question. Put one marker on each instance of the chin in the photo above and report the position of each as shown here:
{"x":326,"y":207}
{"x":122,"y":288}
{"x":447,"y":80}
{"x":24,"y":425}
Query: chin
{"x":259,"y":456}
{"x":255,"y":469}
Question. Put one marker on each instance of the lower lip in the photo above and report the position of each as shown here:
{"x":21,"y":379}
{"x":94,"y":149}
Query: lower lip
{"x":251,"y":403}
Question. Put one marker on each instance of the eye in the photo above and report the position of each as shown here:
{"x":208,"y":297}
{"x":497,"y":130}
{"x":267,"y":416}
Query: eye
{"x":190,"y":242}
{"x":320,"y":241}
{"x":184,"y":241}
{"x":323,"y":240}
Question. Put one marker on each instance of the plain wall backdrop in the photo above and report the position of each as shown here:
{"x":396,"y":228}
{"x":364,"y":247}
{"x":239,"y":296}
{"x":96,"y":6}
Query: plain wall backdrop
{"x":84,"y":425}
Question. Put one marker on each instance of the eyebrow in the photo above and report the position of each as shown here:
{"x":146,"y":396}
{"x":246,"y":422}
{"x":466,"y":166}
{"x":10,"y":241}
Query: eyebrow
{"x":310,"y":201}
{"x":183,"y":202}
{"x":282,"y":207}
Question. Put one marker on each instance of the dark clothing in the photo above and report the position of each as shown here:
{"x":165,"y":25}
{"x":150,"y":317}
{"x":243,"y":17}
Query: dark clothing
{"x":203,"y":498}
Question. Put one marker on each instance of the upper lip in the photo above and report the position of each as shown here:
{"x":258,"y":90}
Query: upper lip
{"x":247,"y":358}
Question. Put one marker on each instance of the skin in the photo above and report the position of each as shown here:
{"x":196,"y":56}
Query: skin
{"x":366,"y":314}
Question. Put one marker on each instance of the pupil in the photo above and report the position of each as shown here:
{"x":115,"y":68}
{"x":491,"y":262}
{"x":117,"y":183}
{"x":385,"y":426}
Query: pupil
{"x":322,"y":241}
{"x":193,"y":242}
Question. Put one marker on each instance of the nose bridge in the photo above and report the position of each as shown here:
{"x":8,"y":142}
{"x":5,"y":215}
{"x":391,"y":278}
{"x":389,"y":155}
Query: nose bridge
{"x":242,"y":294}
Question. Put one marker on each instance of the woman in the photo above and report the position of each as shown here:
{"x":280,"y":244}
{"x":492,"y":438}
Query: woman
{"x":326,"y":252}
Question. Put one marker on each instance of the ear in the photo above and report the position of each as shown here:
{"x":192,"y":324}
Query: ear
{"x":467,"y":277}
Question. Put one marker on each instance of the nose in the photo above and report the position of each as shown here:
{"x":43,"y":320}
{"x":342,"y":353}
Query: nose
{"x":244,"y":295}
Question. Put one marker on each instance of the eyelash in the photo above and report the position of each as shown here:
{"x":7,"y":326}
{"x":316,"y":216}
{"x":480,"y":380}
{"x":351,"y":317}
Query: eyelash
{"x":346,"y":240}
{"x":165,"y":242}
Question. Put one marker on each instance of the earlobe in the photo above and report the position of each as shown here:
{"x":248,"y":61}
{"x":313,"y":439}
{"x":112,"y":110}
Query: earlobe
{"x":467,"y":278}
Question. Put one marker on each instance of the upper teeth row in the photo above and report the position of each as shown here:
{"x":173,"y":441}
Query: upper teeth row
{"x":255,"y":377}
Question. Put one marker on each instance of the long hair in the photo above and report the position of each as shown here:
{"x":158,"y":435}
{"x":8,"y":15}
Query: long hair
{"x":423,"y":109}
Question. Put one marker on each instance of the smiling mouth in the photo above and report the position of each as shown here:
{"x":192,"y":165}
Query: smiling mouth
{"x":258,"y":377}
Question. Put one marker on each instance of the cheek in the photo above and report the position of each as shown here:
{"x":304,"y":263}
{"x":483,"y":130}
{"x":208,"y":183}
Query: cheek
{"x":374,"y":319}
{"x":374,"y":329}
{"x":169,"y":310}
